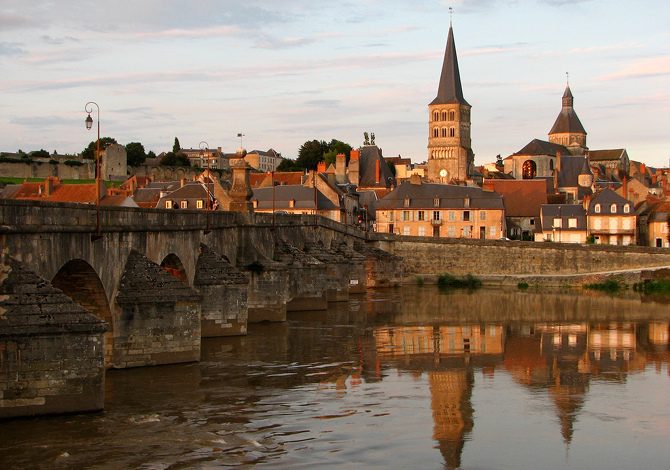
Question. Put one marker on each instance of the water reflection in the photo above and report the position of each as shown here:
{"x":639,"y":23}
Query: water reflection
{"x":412,"y":377}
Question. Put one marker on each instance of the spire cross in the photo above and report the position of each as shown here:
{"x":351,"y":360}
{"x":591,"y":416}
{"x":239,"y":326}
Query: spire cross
{"x":567,"y":78}
{"x":451,"y":14}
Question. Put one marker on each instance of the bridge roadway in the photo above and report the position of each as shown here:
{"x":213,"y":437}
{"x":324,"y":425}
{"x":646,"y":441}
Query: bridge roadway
{"x":151,"y":283}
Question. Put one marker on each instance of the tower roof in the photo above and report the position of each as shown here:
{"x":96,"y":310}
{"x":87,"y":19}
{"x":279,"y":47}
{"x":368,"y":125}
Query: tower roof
{"x":567,"y":121}
{"x":450,"y":90}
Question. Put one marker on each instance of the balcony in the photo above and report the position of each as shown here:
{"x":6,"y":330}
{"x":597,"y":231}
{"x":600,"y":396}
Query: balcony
{"x":436,"y":223}
{"x":612,"y":231}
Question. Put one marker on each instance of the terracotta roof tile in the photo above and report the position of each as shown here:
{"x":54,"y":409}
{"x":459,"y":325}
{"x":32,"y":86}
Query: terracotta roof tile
{"x":522,"y":198}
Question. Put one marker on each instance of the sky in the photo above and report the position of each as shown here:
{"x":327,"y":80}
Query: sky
{"x":286,"y":71}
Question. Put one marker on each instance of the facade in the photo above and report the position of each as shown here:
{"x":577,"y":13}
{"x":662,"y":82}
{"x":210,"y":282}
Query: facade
{"x":193,"y":195}
{"x":450,"y":156}
{"x":654,"y":223}
{"x":562,"y":223}
{"x":615,"y":161}
{"x":611,"y":219}
{"x":522,"y":200}
{"x":440,"y":210}
{"x":114,"y":164}
{"x":537,"y":159}
{"x":264,"y":161}
{"x":206,"y":158}
{"x":297,"y":200}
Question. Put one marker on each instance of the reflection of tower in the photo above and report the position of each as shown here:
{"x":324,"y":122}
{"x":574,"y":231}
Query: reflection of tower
{"x":451,"y":393}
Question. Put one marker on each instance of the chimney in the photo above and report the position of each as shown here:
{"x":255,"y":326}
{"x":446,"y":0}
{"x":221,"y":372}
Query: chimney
{"x":625,"y":187}
{"x":354,"y":155}
{"x":340,"y":168}
{"x":183,"y":182}
{"x":49,"y":185}
{"x":354,"y":165}
{"x":321,"y":167}
{"x":586,"y":201}
{"x":377,"y":171}
{"x":558,"y":161}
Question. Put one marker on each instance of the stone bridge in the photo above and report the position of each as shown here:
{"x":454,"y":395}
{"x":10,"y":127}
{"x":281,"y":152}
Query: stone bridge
{"x":151,"y":283}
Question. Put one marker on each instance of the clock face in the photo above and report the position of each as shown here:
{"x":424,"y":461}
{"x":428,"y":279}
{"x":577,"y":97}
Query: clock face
{"x":443,"y":173}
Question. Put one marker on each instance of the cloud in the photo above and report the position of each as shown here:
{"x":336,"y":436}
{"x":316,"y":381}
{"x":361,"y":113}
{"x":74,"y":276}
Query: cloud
{"x":323,"y":103}
{"x":197,"y":32}
{"x":265,"y":41}
{"x":560,"y":3}
{"x":12,"y":21}
{"x":41,"y":121}
{"x":644,"y":68}
{"x":57,"y":41}
{"x":11,"y":49}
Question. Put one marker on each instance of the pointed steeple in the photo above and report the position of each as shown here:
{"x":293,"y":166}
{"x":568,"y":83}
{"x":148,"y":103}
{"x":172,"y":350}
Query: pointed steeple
{"x":450,"y":90}
{"x":567,"y":120}
{"x":568,"y":100}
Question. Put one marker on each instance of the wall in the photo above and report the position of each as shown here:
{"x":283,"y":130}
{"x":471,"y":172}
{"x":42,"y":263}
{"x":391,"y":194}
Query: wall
{"x":44,"y":170}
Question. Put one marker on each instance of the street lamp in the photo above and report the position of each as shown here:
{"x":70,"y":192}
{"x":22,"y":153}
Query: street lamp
{"x":204,"y":150}
{"x":88,"y":107}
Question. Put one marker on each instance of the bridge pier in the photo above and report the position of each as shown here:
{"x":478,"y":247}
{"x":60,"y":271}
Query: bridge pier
{"x":382,"y":269}
{"x":338,"y":271}
{"x":268,"y":291}
{"x":158,"y":317}
{"x":224,"y":295}
{"x":307,"y":278}
{"x":51,"y":349}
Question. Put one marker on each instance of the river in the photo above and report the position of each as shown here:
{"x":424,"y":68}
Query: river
{"x":401,"y":378}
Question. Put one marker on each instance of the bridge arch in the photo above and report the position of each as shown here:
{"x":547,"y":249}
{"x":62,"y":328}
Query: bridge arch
{"x":173,"y":265}
{"x":79,"y":281}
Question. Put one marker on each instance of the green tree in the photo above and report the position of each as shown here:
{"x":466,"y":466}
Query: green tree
{"x":89,"y":152}
{"x":151,"y":154}
{"x":334,"y":147}
{"x":289,"y":165}
{"x":176,"y":148}
{"x":136,"y":153}
{"x":39,"y":153}
{"x":311,"y":153}
{"x":175,"y":159}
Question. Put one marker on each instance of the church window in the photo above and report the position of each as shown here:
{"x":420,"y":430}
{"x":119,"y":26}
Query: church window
{"x":529,"y":170}
{"x":452,"y":116}
{"x":452,"y":132}
{"x":436,"y":132}
{"x":444,"y":115}
{"x":436,"y":116}
{"x":626,"y":209}
{"x":613,"y":208}
{"x":444,"y":132}
{"x":596,"y":208}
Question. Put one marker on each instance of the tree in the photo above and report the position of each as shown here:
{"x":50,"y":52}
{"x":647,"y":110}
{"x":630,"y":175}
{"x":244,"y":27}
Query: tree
{"x":39,"y":153}
{"x":136,"y":153}
{"x":176,"y":148}
{"x":89,"y":152}
{"x":175,"y":159}
{"x":334,"y":147}
{"x":289,"y":165}
{"x":151,"y":154}
{"x":311,"y":153}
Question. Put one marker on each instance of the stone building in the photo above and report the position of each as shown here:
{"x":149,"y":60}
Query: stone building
{"x":563,"y":223}
{"x":450,"y":156}
{"x":441,"y":210}
{"x":611,"y":219}
{"x":114,"y":164}
{"x":264,"y":160}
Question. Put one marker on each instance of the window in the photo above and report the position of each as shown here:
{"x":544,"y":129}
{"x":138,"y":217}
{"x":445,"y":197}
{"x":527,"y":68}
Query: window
{"x":405,"y":216}
{"x":199,"y":204}
{"x":613,"y":208}
{"x":444,"y":132}
{"x":436,"y":202}
{"x":626,"y":209}
{"x":436,"y":132}
{"x":452,"y":132}
{"x":422,"y":231}
{"x":596,"y":208}
{"x":528,"y":170}
{"x":405,"y":230}
{"x":492,"y":231}
{"x":482,"y":215}
{"x":452,"y":115}
{"x":572,"y":222}
{"x":466,"y":216}
{"x":436,"y":215}
{"x":421,"y":215}
{"x":406,"y":202}
{"x":444,"y":115}
{"x":184,"y":205}
{"x":596,"y":223}
{"x":436,"y":116}
{"x":168,"y":204}
{"x":558,"y":222}
{"x":451,"y":231}
{"x":452,"y":216}
{"x":466,"y":232}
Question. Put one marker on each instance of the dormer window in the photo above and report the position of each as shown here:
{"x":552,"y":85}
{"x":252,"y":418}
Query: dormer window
{"x":436,"y":202}
{"x":406,"y":202}
{"x":596,"y":209}
{"x":626,"y":209}
{"x":466,"y":201}
{"x":255,"y":203}
{"x":291,"y":203}
{"x":613,"y":208}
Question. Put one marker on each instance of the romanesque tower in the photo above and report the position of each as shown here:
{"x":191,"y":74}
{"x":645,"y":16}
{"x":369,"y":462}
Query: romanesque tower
{"x":568,"y":130}
{"x":450,"y":156}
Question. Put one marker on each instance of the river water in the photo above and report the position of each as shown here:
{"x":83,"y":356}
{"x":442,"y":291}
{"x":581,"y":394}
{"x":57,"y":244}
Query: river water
{"x":403,"y":378}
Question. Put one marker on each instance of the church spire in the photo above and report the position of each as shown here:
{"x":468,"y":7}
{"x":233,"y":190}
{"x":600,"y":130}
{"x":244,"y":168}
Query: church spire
{"x":450,"y":90}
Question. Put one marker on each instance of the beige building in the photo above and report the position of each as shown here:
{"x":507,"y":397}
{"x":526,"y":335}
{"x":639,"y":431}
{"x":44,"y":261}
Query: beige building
{"x":611,"y":219}
{"x":264,"y":161}
{"x":450,"y":156}
{"x":440,"y":210}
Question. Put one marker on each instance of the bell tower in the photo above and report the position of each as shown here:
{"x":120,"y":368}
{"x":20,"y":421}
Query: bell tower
{"x":450,"y":155}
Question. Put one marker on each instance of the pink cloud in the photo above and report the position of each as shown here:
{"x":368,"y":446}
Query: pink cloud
{"x":651,"y":67}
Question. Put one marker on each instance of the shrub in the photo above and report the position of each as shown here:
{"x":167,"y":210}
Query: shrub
{"x":522,"y":285}
{"x":661,"y":286}
{"x":449,"y":281}
{"x":609,"y":285}
{"x":73,"y":163}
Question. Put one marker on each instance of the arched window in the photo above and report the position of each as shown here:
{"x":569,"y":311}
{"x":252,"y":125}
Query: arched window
{"x":613,"y":208}
{"x":596,"y":208}
{"x":452,"y":132}
{"x":444,"y":132}
{"x":551,"y":165}
{"x":436,"y":116}
{"x":529,"y":170}
{"x":452,"y":116}
{"x":626,"y":209}
{"x":436,"y":132}
{"x":444,"y":115}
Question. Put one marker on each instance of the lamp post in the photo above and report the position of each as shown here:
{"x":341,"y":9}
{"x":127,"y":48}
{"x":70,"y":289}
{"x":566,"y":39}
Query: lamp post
{"x":88,"y":107}
{"x":204,"y":150}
